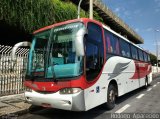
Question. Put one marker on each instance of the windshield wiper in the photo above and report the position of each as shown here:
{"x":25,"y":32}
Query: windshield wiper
{"x":36,"y":64}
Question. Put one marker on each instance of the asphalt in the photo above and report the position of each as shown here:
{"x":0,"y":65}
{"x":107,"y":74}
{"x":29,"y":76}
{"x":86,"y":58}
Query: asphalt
{"x":139,"y":104}
{"x":14,"y":106}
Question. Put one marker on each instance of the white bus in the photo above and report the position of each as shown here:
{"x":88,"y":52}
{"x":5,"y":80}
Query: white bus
{"x":80,"y":64}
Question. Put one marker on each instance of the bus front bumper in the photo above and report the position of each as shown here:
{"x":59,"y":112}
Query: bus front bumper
{"x":74,"y":102}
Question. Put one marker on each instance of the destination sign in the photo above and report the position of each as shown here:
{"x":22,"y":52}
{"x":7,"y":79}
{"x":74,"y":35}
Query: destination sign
{"x":66,"y":28}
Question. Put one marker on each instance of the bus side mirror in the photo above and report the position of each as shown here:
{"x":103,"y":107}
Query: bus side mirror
{"x":79,"y":44}
{"x":14,"y":49}
{"x":18,"y":45}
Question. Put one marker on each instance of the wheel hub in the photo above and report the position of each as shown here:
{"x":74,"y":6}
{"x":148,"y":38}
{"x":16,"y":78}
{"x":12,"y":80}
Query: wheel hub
{"x":111,"y":96}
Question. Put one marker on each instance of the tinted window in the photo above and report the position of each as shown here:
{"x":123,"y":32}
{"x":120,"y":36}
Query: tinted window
{"x":125,"y":48}
{"x":134,"y":52}
{"x":149,"y":58}
{"x":92,"y":55}
{"x":140,"y":55}
{"x":94,"y":32}
{"x":145,"y":57}
{"x":112,"y":43}
{"x":94,"y":51}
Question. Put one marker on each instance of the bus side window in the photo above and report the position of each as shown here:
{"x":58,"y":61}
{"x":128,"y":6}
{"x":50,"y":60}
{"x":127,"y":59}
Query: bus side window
{"x":140,"y":55}
{"x":117,"y":47}
{"x":112,"y":44}
{"x":110,"y":49}
{"x":148,"y":56}
{"x":134,"y":52}
{"x":145,"y":56}
{"x":125,"y":48}
{"x":91,"y":53}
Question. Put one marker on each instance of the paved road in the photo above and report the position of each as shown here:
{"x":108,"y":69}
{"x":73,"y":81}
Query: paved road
{"x":138,"y":101}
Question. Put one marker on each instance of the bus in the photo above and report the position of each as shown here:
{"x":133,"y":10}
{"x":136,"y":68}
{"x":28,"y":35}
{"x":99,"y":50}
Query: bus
{"x":80,"y":64}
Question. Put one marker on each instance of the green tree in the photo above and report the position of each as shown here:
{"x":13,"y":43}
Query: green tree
{"x":153,"y":59}
{"x":30,"y":15}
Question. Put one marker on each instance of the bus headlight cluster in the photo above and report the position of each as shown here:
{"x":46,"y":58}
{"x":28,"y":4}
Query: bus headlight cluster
{"x":70,"y":90}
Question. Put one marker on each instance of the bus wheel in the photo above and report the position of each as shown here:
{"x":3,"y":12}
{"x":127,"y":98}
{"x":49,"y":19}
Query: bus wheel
{"x":146,"y":82}
{"x":111,"y":96}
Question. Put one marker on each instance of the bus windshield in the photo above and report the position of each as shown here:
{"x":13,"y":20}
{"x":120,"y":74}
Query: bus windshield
{"x":37,"y":54}
{"x":53,"y":53}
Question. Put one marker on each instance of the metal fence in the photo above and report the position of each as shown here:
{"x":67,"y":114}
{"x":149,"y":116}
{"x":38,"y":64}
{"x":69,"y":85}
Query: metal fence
{"x":12,"y":74}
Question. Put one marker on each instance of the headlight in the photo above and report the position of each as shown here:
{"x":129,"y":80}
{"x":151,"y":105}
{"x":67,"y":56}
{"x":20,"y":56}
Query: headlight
{"x":28,"y":89}
{"x":70,"y":90}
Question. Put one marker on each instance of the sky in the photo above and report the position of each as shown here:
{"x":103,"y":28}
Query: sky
{"x":143,"y":16}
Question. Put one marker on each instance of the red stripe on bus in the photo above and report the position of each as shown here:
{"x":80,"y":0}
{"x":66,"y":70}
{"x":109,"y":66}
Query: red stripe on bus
{"x":142,"y":69}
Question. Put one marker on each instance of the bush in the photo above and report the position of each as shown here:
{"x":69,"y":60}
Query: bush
{"x":34,"y":14}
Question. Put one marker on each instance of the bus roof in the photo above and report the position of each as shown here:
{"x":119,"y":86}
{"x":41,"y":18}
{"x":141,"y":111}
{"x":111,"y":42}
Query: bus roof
{"x":66,"y":22}
{"x":87,"y":20}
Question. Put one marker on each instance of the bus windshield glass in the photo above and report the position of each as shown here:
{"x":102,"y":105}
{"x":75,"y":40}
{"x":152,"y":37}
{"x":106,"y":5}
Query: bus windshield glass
{"x":37,"y":54}
{"x":63,"y":61}
{"x":53,"y":53}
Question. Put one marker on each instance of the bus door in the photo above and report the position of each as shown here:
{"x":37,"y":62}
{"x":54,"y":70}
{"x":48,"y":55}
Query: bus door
{"x":94,"y":62}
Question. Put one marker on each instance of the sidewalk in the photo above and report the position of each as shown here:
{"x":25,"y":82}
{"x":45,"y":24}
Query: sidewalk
{"x":13,"y":104}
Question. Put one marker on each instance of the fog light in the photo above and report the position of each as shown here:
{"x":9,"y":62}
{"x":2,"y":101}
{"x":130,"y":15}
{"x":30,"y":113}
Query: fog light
{"x":70,"y":90}
{"x":28,"y":99}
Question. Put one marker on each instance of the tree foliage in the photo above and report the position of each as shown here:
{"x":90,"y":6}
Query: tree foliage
{"x":30,"y":15}
{"x":153,"y":59}
{"x":26,"y":14}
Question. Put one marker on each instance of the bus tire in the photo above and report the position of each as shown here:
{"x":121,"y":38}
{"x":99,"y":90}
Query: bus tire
{"x":146,"y":83}
{"x":111,"y":96}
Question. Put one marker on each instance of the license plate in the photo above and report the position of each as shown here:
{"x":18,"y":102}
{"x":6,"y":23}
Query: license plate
{"x":46,"y":105}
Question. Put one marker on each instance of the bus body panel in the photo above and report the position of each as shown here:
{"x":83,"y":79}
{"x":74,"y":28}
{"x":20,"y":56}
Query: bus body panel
{"x":74,"y":102}
{"x":116,"y":68}
{"x":54,"y":100}
{"x":121,"y":69}
{"x":97,"y":93}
